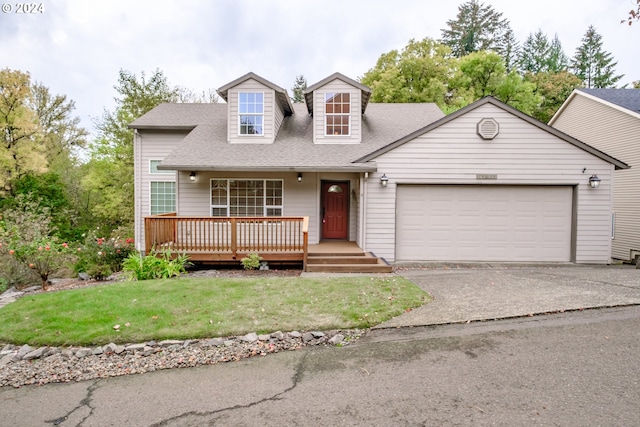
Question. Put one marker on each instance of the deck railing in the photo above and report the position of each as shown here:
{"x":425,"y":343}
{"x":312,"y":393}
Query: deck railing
{"x":227,"y":238}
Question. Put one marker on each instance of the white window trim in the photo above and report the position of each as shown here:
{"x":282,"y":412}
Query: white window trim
{"x":264,"y":201}
{"x":251,"y":135}
{"x":175,"y":194}
{"x":158,"y":171}
{"x":324,"y":108}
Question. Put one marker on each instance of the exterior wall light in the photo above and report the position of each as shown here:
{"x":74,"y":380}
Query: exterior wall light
{"x":384,"y":180}
{"x":299,"y":176}
{"x":193,"y":176}
{"x":594,"y":181}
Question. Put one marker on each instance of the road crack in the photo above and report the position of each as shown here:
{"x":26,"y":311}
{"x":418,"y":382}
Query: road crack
{"x":295,"y":380}
{"x":85,"y":402}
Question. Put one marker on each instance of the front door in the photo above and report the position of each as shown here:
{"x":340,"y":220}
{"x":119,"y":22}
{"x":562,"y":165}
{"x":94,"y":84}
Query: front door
{"x":335,"y":210}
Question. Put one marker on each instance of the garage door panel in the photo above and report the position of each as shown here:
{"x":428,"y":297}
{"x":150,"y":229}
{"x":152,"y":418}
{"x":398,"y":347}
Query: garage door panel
{"x":483,"y":223}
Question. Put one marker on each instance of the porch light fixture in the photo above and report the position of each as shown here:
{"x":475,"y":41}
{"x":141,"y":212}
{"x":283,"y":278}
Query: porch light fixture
{"x":299,"y":176}
{"x":594,"y":181}
{"x":384,"y":180}
{"x":193,"y":176}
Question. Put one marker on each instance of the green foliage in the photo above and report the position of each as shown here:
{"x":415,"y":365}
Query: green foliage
{"x":251,"y":262}
{"x":594,"y":66}
{"x":109,"y":174}
{"x":553,"y":89}
{"x":99,"y":257}
{"x":299,"y":86}
{"x":156,"y":265}
{"x":418,"y":73}
{"x":477,"y":27}
{"x":25,"y":235}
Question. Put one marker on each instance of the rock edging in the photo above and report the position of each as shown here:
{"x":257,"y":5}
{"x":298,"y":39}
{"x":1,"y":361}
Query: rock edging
{"x":26,"y":365}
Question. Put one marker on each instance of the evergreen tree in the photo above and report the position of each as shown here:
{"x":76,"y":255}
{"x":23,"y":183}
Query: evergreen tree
{"x":558,"y":61}
{"x":511,"y":50}
{"x":477,"y":27}
{"x":535,"y":53}
{"x":594,"y":66}
{"x":299,"y":86}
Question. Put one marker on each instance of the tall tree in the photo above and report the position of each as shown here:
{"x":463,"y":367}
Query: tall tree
{"x":299,"y":86}
{"x":535,"y":53}
{"x":418,"y":73}
{"x":592,"y":64}
{"x":511,"y":50}
{"x":21,"y":150}
{"x":109,"y":178}
{"x":539,"y":55}
{"x":558,"y":61}
{"x":476,"y":27}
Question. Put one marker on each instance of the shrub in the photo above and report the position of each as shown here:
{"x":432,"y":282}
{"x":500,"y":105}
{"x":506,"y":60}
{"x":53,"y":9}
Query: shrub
{"x":156,"y":265}
{"x":99,"y":257}
{"x":251,"y":262}
{"x":44,"y":256}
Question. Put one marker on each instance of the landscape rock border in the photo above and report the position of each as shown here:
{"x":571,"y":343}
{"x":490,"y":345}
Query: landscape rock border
{"x":26,"y":365}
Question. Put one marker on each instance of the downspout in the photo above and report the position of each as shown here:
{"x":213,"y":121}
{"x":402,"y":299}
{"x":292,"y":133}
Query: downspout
{"x":137,"y":185}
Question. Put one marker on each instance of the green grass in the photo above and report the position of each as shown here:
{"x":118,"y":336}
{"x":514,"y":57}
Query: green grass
{"x":204,"y":307}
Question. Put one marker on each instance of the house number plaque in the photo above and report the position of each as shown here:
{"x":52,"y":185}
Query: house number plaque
{"x":486,"y":176}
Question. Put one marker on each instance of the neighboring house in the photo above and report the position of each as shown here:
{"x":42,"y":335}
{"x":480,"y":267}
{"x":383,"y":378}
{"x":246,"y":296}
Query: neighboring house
{"x":609,"y":120}
{"x":402,"y":181}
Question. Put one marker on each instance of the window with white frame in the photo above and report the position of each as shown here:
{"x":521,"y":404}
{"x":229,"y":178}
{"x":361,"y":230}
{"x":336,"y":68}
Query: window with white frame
{"x":251,"y":113}
{"x":162,"y":197}
{"x":337,"y":107}
{"x":246,"y":197}
{"x":153,"y":168}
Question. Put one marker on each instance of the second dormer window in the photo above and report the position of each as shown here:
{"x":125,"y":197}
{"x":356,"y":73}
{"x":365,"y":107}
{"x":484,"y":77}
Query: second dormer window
{"x":337,"y":113}
{"x":251,"y":110}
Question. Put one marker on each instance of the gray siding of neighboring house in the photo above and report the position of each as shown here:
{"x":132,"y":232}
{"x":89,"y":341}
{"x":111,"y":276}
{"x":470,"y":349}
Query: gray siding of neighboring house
{"x":319,"y":136}
{"x":272,"y":114}
{"x":521,"y":154}
{"x":617,"y":133}
{"x":149,"y":145}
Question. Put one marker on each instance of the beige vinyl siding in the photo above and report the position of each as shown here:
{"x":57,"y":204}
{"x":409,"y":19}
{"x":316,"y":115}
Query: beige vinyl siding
{"x":150,"y":145}
{"x":269,"y":121}
{"x":617,"y":133}
{"x":319,"y":136}
{"x":521,"y":154}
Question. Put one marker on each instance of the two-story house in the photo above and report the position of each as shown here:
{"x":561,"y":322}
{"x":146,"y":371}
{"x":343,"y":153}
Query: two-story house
{"x":400,"y":181}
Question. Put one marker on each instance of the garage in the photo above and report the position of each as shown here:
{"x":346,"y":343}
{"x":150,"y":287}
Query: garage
{"x":483,"y":223}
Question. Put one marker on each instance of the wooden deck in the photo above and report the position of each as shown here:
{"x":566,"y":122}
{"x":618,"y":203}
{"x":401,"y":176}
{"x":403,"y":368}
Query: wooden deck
{"x":274,"y":239}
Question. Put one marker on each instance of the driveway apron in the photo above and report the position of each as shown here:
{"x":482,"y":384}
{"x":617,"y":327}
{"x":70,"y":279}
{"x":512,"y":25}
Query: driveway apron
{"x":474,"y":293}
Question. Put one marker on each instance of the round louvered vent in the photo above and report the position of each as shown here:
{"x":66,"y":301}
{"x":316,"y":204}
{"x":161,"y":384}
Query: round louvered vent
{"x":488,"y":128}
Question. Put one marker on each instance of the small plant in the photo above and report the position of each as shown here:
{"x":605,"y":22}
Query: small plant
{"x":152,"y":266}
{"x":251,"y":262}
{"x":99,"y":257}
{"x":45,"y":257}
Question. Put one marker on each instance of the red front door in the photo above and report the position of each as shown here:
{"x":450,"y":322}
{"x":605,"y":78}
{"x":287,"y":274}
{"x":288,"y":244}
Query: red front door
{"x":335,"y":210}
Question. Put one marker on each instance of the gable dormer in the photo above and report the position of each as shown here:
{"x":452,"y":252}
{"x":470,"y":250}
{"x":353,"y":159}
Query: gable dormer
{"x":337,"y":104}
{"x":256,"y":109}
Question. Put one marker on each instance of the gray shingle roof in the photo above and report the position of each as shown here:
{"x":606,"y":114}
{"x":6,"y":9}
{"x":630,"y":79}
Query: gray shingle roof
{"x":206,"y":146}
{"x":625,"y":98}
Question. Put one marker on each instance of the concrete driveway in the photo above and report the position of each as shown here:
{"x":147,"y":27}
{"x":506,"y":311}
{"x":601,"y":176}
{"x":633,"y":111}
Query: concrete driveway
{"x":475,"y":292}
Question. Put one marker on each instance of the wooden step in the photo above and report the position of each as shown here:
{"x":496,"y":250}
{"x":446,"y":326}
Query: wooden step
{"x":337,"y":259}
{"x":337,"y":254}
{"x":379,"y":267}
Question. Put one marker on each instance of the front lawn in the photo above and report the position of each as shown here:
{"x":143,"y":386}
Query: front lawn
{"x":187,"y":308}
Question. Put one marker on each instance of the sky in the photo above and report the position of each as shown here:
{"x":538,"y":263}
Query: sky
{"x":77,"y":47}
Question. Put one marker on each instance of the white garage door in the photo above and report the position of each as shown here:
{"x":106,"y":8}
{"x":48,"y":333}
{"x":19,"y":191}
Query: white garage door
{"x":483,"y":223}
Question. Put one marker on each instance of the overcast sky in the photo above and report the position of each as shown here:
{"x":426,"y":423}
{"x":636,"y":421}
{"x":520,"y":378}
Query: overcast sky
{"x":77,"y":47}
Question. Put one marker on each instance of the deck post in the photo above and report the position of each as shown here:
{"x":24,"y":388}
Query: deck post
{"x":234,"y":238}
